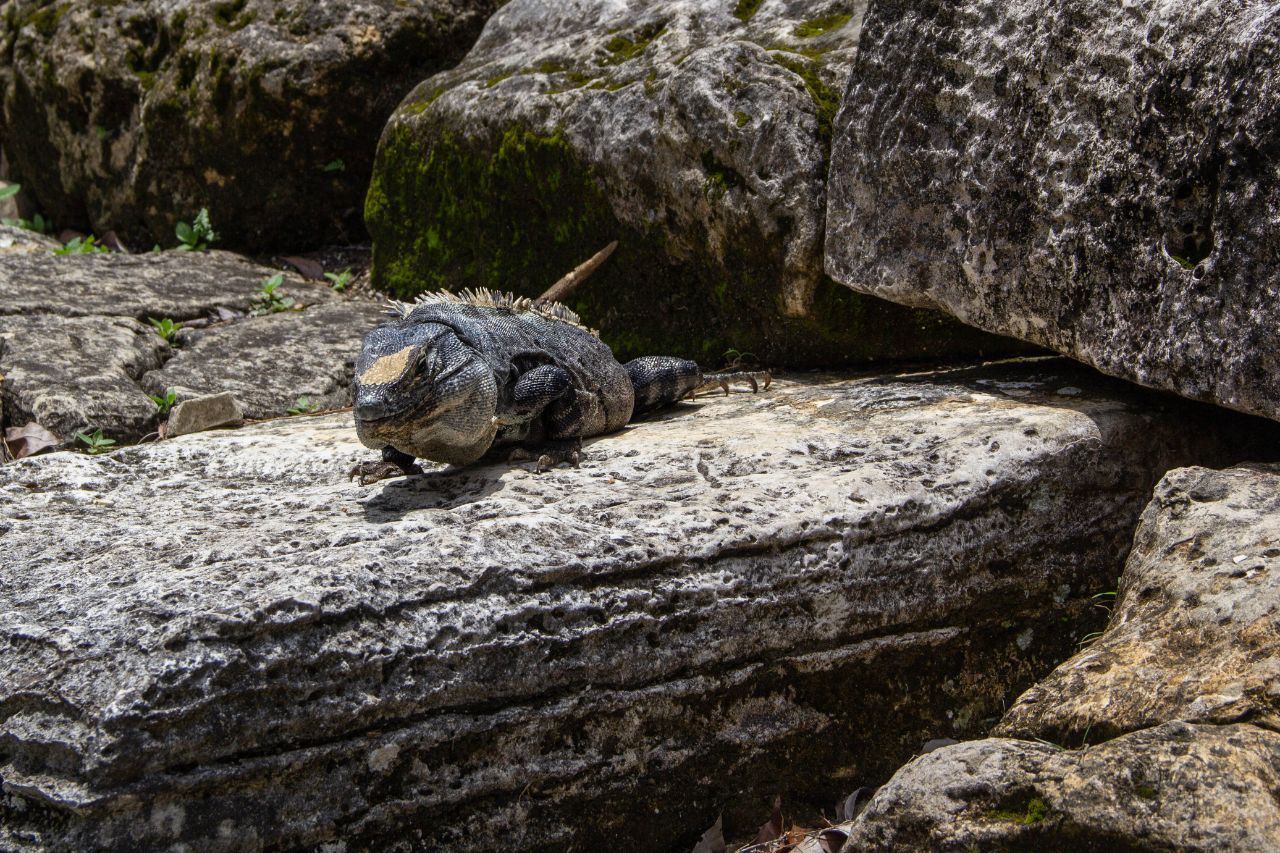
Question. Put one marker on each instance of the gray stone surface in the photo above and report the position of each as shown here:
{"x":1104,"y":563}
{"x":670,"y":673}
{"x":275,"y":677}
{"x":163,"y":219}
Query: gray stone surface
{"x":220,"y":641}
{"x":77,"y":353}
{"x":74,"y":374}
{"x":1039,"y":170}
{"x":14,"y":240}
{"x":201,"y":413}
{"x":269,"y":362}
{"x":695,"y":135}
{"x":178,"y":285}
{"x":131,"y":116}
{"x":1174,"y":787}
{"x":1192,"y":636}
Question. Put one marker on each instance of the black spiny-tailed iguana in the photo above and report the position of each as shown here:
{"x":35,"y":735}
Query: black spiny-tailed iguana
{"x":454,"y":375}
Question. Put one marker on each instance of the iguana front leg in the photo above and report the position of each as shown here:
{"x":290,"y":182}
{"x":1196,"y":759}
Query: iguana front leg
{"x":393,"y":464}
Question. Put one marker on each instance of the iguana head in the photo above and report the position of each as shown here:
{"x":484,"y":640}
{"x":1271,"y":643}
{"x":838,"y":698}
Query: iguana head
{"x":423,"y":390}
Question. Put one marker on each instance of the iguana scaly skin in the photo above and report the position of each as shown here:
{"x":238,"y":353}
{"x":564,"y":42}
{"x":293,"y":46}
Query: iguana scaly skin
{"x":454,"y":375}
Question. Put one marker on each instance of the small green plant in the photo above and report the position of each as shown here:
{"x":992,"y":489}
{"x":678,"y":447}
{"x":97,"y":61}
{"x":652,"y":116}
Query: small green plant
{"x":338,"y":280}
{"x":335,"y":166}
{"x":165,"y":328}
{"x":36,"y":223}
{"x":95,"y":442}
{"x":199,"y":235}
{"x":82,"y":246}
{"x":164,"y":402}
{"x":269,"y":300}
{"x":304,"y":406}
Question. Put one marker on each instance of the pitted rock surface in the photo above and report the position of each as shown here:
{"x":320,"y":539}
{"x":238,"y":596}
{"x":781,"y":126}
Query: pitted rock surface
{"x":131,"y":116}
{"x":694,"y":133}
{"x":269,"y":362}
{"x":256,"y":651}
{"x":1092,"y":177}
{"x":1193,"y":634}
{"x":77,"y":353}
{"x":178,"y":285}
{"x":1173,"y":787}
{"x":73,"y":374}
{"x":15,"y":240}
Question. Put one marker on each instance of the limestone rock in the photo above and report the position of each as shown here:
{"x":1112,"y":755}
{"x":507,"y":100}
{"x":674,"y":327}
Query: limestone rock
{"x":201,"y":413}
{"x":78,"y":374}
{"x":1192,"y":636}
{"x":178,"y":285}
{"x":269,"y":362}
{"x":131,"y":116}
{"x":14,"y":240}
{"x":1174,"y":787}
{"x":1093,"y":177}
{"x":258,"y":652}
{"x":77,"y":352}
{"x":694,"y":132}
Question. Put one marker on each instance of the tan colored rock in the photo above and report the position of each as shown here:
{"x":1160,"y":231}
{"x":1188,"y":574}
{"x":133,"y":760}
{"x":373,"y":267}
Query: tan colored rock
{"x":1195,"y":634}
{"x":1173,"y":787}
{"x":201,"y":413}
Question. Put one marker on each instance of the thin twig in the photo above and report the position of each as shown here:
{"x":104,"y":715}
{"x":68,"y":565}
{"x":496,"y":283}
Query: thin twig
{"x":561,"y":290}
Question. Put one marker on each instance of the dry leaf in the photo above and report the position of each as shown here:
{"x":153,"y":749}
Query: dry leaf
{"x":310,"y":269}
{"x":29,"y":440}
{"x":773,"y":829}
{"x":712,"y":840}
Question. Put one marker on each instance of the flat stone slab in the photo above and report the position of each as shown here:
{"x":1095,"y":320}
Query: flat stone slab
{"x":1173,"y":787}
{"x":15,"y":241}
{"x":177,"y":285}
{"x":221,"y":641}
{"x":1193,"y":631}
{"x":77,"y":352}
{"x":269,"y":362}
{"x":71,"y":374}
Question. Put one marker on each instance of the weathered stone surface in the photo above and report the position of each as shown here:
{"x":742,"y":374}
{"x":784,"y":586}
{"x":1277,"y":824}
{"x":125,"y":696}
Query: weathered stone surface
{"x":74,"y":374}
{"x":1175,"y":787}
{"x":1093,"y":177}
{"x":133,"y":115}
{"x":257,"y":652}
{"x":14,"y":240}
{"x":694,"y":133}
{"x":201,"y":413}
{"x":269,"y":362}
{"x":178,"y":285}
{"x":76,"y":350}
{"x":1193,"y":634}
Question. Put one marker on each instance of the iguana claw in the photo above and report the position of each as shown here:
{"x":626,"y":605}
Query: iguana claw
{"x":722,"y":380}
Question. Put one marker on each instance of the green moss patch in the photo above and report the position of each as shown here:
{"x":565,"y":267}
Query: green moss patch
{"x":745,"y":10}
{"x":1024,"y":809}
{"x":820,"y":26}
{"x":825,"y":99}
{"x":624,"y":48}
{"x":515,"y":210}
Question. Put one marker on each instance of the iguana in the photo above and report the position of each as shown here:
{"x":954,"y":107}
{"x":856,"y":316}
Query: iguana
{"x":452,"y":376}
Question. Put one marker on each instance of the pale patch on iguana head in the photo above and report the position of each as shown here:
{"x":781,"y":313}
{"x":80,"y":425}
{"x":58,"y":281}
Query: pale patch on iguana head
{"x":424,"y":391}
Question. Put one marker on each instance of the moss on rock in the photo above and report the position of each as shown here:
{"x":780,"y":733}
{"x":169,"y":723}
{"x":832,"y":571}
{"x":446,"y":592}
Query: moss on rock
{"x":514,"y":209}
